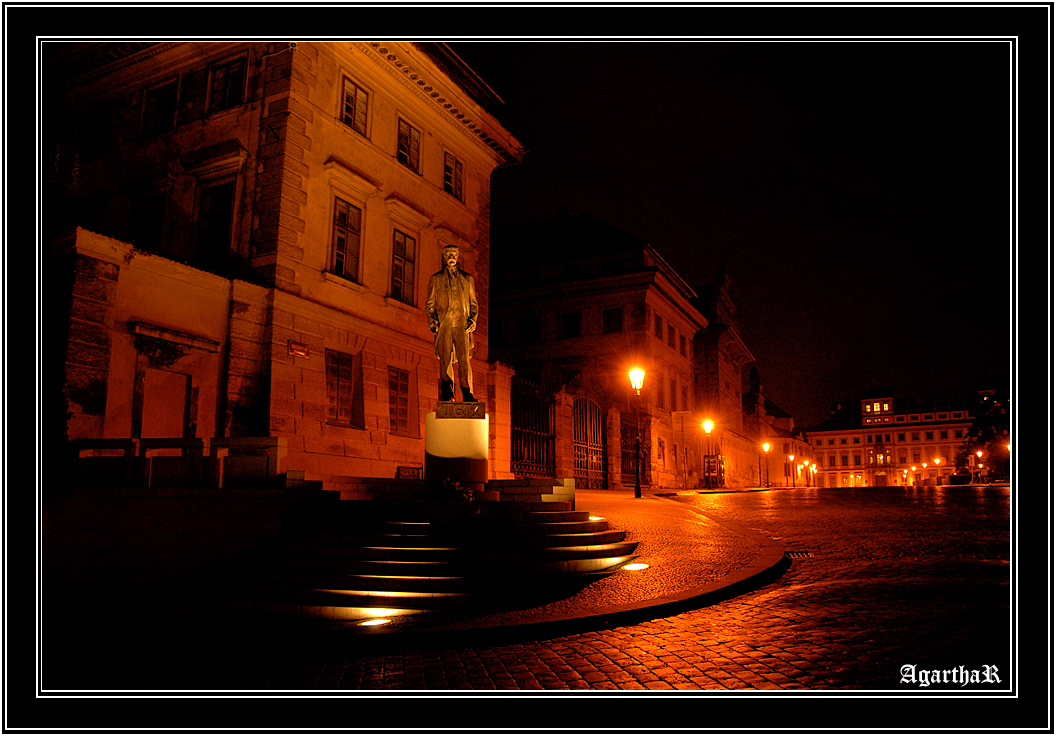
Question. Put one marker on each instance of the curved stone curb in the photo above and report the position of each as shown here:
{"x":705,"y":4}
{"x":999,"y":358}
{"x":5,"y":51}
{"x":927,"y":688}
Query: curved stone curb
{"x":768,"y":566}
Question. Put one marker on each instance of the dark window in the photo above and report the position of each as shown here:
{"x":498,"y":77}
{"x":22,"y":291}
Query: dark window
{"x":671,"y":337}
{"x":399,"y":401}
{"x":212,"y":245}
{"x":929,"y":435}
{"x":571,"y":324}
{"x":344,"y":394}
{"x":159,"y":109}
{"x":453,"y":176}
{"x":674,"y":394}
{"x":228,"y":84}
{"x":658,"y":326}
{"x":408,"y":141}
{"x":681,"y":343}
{"x":612,"y":320}
{"x":403,"y":246}
{"x":638,"y":317}
{"x":345,"y":240}
{"x":354,"y":108}
{"x":192,"y":96}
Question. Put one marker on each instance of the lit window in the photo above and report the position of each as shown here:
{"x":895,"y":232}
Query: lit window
{"x":876,"y":406}
{"x":403,"y":247}
{"x":408,"y":142}
{"x":453,"y":176}
{"x":344,"y":245}
{"x":868,"y":407}
{"x":354,"y":107}
{"x":885,"y":406}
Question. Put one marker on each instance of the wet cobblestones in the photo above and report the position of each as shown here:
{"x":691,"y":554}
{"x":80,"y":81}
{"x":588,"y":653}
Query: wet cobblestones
{"x":892,"y":578}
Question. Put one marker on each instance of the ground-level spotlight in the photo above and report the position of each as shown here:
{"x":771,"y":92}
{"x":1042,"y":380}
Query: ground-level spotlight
{"x":635,"y":566}
{"x":374,"y":622}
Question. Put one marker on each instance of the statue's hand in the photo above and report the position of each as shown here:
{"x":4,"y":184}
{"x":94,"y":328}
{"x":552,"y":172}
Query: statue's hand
{"x":471,"y":325}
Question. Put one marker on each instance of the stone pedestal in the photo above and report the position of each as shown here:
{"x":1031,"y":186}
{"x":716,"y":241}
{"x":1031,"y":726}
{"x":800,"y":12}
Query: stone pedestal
{"x":456,"y":444}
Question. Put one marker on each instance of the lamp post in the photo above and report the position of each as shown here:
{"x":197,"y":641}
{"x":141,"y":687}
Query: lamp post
{"x":637,"y":376}
{"x":792,"y":469}
{"x":766,"y":453}
{"x":708,"y":425}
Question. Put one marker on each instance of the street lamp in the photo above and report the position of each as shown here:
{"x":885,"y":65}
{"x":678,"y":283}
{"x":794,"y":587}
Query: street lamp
{"x":766,"y":452}
{"x":637,"y":376}
{"x":707,"y":426}
{"x":792,"y":470}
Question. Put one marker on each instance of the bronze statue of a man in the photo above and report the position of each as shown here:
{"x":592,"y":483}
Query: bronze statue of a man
{"x":452,"y":310}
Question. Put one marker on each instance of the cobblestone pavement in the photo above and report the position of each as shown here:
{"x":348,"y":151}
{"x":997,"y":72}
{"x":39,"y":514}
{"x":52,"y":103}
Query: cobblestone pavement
{"x":879,"y":579}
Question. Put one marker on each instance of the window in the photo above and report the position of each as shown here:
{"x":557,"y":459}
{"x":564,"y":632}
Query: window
{"x":227,"y":84}
{"x":832,"y":461}
{"x":453,"y":176}
{"x":831,"y":441}
{"x":857,"y":440}
{"x":916,"y":436}
{"x":682,"y":344}
{"x":857,"y":459}
{"x":876,"y":406}
{"x":159,"y":109}
{"x":887,"y":438}
{"x":943,"y":435}
{"x":612,"y":320}
{"x":929,"y":435}
{"x":868,"y":408}
{"x":408,"y":142}
{"x":658,"y":327}
{"x":843,"y":440}
{"x":571,"y":324}
{"x":403,"y":246}
{"x":957,"y":434}
{"x":354,"y":107}
{"x":844,"y":460}
{"x":344,"y":393}
{"x":212,"y":240}
{"x":345,"y":240}
{"x":674,"y":394}
{"x":400,"y":402}
{"x":901,"y":436}
{"x":638,"y":317}
{"x":685,"y":399}
{"x":671,"y":337}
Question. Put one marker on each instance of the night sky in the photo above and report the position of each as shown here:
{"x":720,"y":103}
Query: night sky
{"x":858,"y":193}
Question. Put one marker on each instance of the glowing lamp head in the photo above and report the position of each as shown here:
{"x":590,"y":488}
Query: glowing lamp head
{"x":766,"y":447}
{"x":708,"y":425}
{"x":637,"y":378}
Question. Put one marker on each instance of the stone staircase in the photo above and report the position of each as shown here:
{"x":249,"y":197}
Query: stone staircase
{"x":352,"y":560}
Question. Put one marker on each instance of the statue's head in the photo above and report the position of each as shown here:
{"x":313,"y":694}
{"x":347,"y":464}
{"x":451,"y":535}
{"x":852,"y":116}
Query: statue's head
{"x":450,"y":256}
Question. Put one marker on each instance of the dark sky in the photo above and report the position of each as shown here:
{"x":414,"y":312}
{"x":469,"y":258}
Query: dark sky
{"x":857,"y":192}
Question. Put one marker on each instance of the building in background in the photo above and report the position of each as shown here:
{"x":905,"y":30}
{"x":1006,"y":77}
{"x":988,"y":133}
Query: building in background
{"x":240,"y":237}
{"x":578,"y":303}
{"x":882,"y":440}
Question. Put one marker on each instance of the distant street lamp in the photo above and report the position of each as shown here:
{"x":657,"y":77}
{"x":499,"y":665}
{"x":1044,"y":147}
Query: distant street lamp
{"x":766,"y":452}
{"x":792,"y":470}
{"x":637,"y":376}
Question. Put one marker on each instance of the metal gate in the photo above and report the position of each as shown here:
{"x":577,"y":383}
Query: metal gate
{"x":532,"y":431}
{"x":589,"y":444}
{"x":628,"y":433}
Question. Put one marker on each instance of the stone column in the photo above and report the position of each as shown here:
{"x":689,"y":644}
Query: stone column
{"x":564,"y":435}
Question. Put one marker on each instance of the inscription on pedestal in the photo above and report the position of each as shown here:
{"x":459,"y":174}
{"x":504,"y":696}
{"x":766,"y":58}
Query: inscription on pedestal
{"x":460,"y":410}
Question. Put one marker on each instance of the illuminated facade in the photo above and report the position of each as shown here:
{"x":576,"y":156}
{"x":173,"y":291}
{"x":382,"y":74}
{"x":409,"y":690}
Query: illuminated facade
{"x":885,"y":441}
{"x":246,"y":231}
{"x":578,"y":304}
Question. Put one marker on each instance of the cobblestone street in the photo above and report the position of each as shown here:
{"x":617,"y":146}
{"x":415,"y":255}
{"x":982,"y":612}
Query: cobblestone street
{"x":878,"y":579}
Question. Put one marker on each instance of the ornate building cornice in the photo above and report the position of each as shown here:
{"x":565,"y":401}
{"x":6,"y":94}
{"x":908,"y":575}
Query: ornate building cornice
{"x":88,"y":61}
{"x":394,"y":60}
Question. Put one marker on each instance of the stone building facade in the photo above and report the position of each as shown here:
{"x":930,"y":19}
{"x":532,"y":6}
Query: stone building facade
{"x":883,"y":440}
{"x":575,"y":316}
{"x":241,"y":234}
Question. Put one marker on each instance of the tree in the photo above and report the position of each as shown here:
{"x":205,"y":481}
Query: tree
{"x":988,"y":434}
